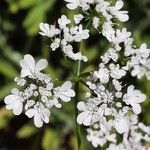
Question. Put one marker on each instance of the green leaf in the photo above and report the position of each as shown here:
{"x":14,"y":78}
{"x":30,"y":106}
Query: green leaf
{"x":50,"y":140}
{"x":53,"y":72}
{"x":92,"y":53}
{"x":27,"y":131}
{"x":5,"y":116}
{"x":36,"y":15}
{"x":7,"y":69}
{"x":26,"y":3}
{"x":5,"y":90}
{"x":85,"y":74}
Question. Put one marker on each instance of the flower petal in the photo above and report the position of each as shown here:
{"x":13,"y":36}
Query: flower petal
{"x":38,"y":122}
{"x":41,"y":64}
{"x":30,"y":113}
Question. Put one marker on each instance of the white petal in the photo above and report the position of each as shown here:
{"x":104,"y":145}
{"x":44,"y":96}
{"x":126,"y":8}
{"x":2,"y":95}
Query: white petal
{"x":38,"y":122}
{"x":88,"y":120}
{"x":18,"y":110}
{"x":123,"y":17}
{"x":64,"y":98}
{"x":45,"y":28}
{"x":15,"y":91}
{"x":136,"y":108}
{"x":10,"y":98}
{"x":72,"y":6}
{"x":81,"y":117}
{"x":70,"y":93}
{"x":30,"y":113}
{"x":28,"y":65}
{"x":30,"y":60}
{"x":122,"y":126}
{"x":25,"y":73}
{"x":43,"y":34}
{"x":130,"y":88}
{"x":67,"y":85}
{"x":46,"y":113}
{"x":41,"y":64}
{"x":81,"y":106}
{"x":119,"y":4}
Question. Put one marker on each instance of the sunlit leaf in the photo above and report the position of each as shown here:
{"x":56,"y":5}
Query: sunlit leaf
{"x":5,"y":90}
{"x":26,"y":3}
{"x":26,"y":131}
{"x":7,"y":69}
{"x":5,"y":116}
{"x":36,"y":15}
{"x":50,"y":140}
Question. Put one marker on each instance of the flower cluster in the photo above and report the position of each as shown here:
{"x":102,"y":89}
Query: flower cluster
{"x":38,"y":93}
{"x":114,"y":104}
{"x":109,"y":108}
{"x":63,"y":36}
{"x":103,"y":8}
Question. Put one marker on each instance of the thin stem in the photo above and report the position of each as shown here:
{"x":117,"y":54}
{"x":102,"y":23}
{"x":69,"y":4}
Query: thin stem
{"x":78,"y":131}
{"x":76,"y":114}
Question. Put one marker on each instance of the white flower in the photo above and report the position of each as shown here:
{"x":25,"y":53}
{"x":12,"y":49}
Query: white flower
{"x":129,"y":50}
{"x":40,"y":114}
{"x":143,"y":51}
{"x":67,"y":36}
{"x":138,"y":71}
{"x":72,"y":4}
{"x":116,"y":72}
{"x":133,"y":98}
{"x":20,"y":81}
{"x":117,"y":85}
{"x":14,"y":102}
{"x":102,"y":6}
{"x":64,"y":92}
{"x":78,"y":18}
{"x":89,"y":112}
{"x":47,"y":30}
{"x":68,"y":50}
{"x":63,"y":21}
{"x":81,"y":34}
{"x":29,"y":103}
{"x":102,"y":74}
{"x":38,"y":94}
{"x":110,"y":54}
{"x":108,"y":31}
{"x":120,"y":15}
{"x":95,"y":22}
{"x":30,"y":68}
{"x":55,"y":44}
{"x":140,"y":62}
{"x":121,"y":35}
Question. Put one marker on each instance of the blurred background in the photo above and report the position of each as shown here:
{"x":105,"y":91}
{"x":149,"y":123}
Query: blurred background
{"x":19,"y":27}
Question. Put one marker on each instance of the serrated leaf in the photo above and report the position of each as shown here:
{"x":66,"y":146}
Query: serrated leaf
{"x":27,"y":131}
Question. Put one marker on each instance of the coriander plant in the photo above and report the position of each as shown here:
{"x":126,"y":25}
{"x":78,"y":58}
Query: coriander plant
{"x":110,"y":107}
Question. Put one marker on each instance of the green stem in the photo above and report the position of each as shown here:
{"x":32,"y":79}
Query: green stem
{"x":78,"y":131}
{"x":76,"y":114}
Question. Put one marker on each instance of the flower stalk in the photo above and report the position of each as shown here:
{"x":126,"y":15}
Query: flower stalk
{"x":78,"y":132}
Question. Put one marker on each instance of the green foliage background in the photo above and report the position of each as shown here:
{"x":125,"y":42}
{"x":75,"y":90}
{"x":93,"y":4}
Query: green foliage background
{"x":19,"y":26}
